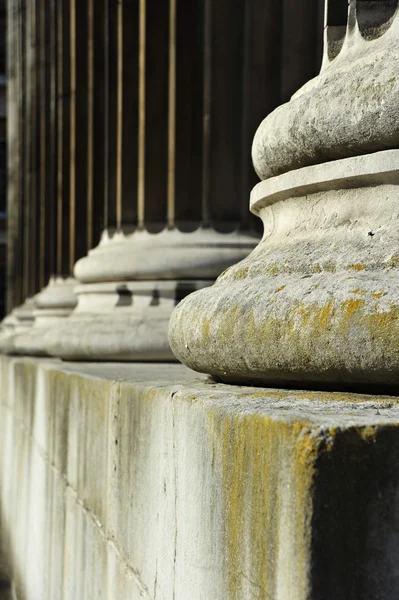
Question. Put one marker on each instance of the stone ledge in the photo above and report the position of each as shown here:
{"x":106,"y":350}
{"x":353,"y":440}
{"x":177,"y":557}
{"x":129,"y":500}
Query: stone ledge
{"x":140,"y":481}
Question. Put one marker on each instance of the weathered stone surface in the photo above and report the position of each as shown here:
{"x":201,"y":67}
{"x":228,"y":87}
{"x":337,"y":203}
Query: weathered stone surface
{"x":136,"y":481}
{"x":351,"y":108}
{"x":317,"y":301}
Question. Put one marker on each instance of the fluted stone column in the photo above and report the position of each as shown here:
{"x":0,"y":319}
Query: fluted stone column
{"x":117,"y":120}
{"x":43,"y":53}
{"x":20,"y":318}
{"x":51,"y":199}
{"x":316,"y":303}
{"x":180,"y":99}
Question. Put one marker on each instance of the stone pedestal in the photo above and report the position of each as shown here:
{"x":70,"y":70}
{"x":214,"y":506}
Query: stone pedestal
{"x":129,"y":478}
{"x":316,"y":304}
{"x":129,"y":286}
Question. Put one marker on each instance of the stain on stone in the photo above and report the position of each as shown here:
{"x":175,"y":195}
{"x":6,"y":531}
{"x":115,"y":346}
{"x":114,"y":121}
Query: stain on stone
{"x":278,"y":456}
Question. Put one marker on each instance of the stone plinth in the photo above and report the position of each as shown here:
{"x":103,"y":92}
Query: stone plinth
{"x":129,"y":286}
{"x":125,"y":481}
{"x":316,"y":304}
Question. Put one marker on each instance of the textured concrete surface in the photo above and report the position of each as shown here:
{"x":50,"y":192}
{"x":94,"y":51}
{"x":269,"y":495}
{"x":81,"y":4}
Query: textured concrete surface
{"x":140,"y":481}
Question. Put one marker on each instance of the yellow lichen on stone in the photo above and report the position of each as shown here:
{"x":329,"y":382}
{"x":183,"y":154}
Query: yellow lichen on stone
{"x":344,"y":332}
{"x":323,"y":316}
{"x":241,"y":273}
{"x":351,"y":306}
{"x":385,"y":320}
{"x":206,"y":328}
{"x":356,"y":267}
{"x":267,"y":470}
{"x":318,"y":396}
{"x":394,"y":261}
{"x":368,"y":434}
{"x":329,"y":267}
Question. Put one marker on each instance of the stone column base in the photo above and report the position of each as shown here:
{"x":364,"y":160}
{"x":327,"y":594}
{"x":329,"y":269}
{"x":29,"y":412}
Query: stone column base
{"x":316,"y":303}
{"x":18,"y":322}
{"x":54,"y":304}
{"x":122,"y":321}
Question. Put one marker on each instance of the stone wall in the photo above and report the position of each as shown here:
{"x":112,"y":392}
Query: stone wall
{"x":146,"y":481}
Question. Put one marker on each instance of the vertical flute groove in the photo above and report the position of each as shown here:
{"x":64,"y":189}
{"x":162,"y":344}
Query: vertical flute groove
{"x":119,"y":132}
{"x":27,"y":175}
{"x":61,"y":134}
{"x":52,"y":137}
{"x":172,"y":117}
{"x":72,"y":137}
{"x":34,"y":137}
{"x":90,"y":122}
{"x":141,"y":135}
{"x":246,"y":87}
{"x":42,"y":144}
{"x":207,"y":102}
{"x":106,"y":113}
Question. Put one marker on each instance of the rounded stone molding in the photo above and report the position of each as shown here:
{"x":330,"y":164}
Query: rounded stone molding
{"x":316,"y":302}
{"x":350,"y":109}
{"x":379,"y":168}
{"x":170,"y":254}
{"x":59,"y":293}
